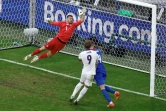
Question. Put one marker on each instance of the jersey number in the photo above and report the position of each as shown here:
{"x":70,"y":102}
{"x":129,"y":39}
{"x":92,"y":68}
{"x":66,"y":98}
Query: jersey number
{"x":89,"y":58}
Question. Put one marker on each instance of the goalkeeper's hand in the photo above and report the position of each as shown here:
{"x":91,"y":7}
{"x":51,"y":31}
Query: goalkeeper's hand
{"x":82,"y":12}
{"x":49,"y":20}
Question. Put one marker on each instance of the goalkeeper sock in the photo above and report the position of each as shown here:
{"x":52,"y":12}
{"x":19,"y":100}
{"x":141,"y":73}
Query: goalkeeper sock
{"x":37,"y":51}
{"x":76,"y":89}
{"x":43,"y":56}
{"x":106,"y":95}
{"x":109,"y":89}
{"x":82,"y":93}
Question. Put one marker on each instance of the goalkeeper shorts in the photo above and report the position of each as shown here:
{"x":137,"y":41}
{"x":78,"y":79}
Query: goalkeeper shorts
{"x":55,"y":45}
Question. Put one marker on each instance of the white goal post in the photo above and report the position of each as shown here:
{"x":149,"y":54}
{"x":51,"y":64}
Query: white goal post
{"x":153,"y":40}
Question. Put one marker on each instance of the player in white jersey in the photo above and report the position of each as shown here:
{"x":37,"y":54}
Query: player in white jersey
{"x":89,"y":59}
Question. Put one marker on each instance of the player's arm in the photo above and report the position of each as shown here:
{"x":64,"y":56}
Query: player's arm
{"x":53,"y":23}
{"x":82,"y":17}
{"x":80,"y":58}
{"x":97,"y":59}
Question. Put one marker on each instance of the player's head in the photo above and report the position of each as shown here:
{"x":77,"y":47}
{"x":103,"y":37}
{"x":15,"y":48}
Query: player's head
{"x":69,"y":19}
{"x":87,"y":44}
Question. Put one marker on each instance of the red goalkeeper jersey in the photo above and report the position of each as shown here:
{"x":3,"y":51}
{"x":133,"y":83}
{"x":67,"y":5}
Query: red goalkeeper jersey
{"x":66,"y":30}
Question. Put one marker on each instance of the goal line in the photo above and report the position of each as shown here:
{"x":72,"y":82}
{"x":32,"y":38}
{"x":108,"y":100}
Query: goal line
{"x":72,"y":77}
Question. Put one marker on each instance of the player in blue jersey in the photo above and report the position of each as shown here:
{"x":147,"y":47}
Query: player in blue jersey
{"x":100,"y":78}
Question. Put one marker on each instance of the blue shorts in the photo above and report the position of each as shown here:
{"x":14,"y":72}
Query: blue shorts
{"x":100,"y":78}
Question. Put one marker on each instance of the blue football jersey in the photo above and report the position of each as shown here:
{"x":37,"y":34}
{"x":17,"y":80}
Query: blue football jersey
{"x":100,"y":66}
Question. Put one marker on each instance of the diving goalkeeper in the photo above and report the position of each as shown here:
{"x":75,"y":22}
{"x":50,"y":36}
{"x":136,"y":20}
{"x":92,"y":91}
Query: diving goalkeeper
{"x":58,"y":43}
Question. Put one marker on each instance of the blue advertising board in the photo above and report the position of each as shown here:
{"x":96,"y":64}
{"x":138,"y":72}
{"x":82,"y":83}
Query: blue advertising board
{"x":101,"y":24}
{"x":16,"y":11}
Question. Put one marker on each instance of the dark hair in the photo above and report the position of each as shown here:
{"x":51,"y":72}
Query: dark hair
{"x":69,"y":16}
{"x":87,"y":44}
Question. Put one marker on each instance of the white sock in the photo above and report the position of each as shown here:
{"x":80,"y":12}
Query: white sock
{"x":37,"y":57}
{"x":29,"y":55}
{"x":77,"y":88}
{"x":82,"y":93}
{"x":111,"y":102}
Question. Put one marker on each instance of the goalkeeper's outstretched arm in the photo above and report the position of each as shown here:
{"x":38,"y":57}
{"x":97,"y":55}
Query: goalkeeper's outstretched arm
{"x":82,"y":14}
{"x":53,"y":23}
{"x":82,"y":18}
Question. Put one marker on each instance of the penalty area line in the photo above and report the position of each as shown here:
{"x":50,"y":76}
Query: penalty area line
{"x":66,"y":75}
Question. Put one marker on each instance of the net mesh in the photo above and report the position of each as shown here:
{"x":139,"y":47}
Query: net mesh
{"x":121,"y":30}
{"x":122,"y":38}
{"x":12,"y":23}
{"x":160,"y":80}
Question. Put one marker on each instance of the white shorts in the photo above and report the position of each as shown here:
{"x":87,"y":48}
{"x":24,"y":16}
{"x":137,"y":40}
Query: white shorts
{"x":87,"y":79}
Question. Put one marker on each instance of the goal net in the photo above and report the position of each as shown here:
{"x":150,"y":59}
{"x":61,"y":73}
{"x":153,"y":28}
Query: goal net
{"x":122,"y":38}
{"x":14,"y":18}
{"x":122,"y":30}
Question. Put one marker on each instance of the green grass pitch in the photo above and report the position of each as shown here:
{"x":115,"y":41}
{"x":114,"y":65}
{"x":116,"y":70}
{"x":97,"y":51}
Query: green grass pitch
{"x":26,"y":89}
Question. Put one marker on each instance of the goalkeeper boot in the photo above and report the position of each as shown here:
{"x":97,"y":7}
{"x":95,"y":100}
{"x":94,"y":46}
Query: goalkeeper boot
{"x":34,"y":59}
{"x":75,"y":102}
{"x":111,"y":105}
{"x":117,"y":94}
{"x":27,"y":57}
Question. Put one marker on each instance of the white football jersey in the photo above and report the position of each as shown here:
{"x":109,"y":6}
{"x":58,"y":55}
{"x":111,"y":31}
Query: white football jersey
{"x":89,"y":59}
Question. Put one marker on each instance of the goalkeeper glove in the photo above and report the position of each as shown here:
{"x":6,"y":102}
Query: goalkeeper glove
{"x":49,"y":20}
{"x":82,"y":12}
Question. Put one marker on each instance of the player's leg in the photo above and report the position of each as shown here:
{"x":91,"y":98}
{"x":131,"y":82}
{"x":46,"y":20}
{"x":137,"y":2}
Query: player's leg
{"x":37,"y":51}
{"x":109,"y":89}
{"x":106,"y":95}
{"x":88,"y":82}
{"x":100,"y":81}
{"x":81,"y":94}
{"x":116,"y":93}
{"x":44,"y":55}
{"x":78,"y":87}
{"x":51,"y":45}
{"x":54,"y":46}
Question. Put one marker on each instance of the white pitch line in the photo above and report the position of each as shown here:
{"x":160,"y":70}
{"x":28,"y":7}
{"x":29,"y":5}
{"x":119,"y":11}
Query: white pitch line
{"x":66,"y":75}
